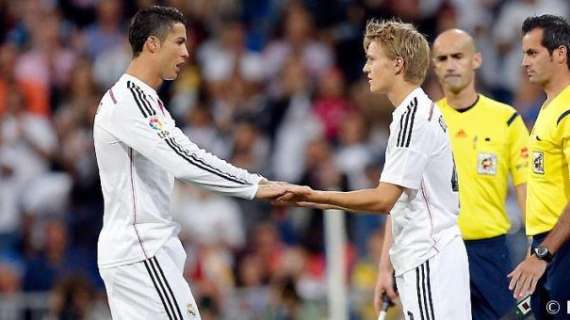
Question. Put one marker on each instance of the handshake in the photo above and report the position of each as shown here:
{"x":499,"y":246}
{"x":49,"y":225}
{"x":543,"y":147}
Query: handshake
{"x":286,"y":194}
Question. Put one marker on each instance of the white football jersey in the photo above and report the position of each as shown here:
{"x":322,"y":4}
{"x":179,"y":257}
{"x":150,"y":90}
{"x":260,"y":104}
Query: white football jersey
{"x":139,"y":153}
{"x":419,"y":158}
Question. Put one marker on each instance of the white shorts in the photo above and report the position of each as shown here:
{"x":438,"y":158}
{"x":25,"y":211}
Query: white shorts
{"x":438,"y":288}
{"x":151,"y":289}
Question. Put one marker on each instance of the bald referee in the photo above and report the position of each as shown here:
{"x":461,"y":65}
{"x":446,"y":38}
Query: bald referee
{"x":488,"y":139}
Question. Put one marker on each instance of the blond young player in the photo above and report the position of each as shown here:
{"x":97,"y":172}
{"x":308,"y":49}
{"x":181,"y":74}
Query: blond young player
{"x":418,"y":186}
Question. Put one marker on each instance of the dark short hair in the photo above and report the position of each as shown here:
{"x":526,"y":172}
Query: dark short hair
{"x":555,"y":32}
{"x":153,"y":21}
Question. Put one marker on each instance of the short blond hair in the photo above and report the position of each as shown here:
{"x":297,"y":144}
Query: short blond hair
{"x":401,"y":40}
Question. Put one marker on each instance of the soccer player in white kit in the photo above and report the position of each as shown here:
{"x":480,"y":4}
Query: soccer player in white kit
{"x":418,"y":186}
{"x":139,"y":153}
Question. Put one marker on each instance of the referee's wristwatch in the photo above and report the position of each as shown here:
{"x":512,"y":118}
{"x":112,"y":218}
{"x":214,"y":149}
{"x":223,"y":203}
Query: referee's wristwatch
{"x":542,"y":253}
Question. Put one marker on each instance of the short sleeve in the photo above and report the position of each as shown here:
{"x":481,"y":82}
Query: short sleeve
{"x":563,"y":134}
{"x":518,"y":149}
{"x":407,"y":156}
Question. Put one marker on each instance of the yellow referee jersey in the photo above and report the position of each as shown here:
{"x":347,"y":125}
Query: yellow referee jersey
{"x":548,"y":182}
{"x":489,"y":141}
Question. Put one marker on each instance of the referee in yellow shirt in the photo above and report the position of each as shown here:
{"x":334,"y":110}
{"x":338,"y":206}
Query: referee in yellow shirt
{"x":546,"y":272}
{"x":489,"y":143}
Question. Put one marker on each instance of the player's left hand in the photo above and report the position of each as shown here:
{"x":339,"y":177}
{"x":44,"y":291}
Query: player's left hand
{"x":526,"y":275}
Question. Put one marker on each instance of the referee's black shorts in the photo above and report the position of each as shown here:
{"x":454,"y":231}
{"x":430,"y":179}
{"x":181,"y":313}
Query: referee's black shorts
{"x":489,"y":265}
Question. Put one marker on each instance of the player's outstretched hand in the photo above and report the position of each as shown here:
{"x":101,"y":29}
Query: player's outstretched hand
{"x":295,"y":196}
{"x":384,"y":287}
{"x":526,"y":275}
{"x":271,"y":190}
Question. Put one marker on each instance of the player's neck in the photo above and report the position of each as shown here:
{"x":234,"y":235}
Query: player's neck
{"x":462,"y":99}
{"x":400,"y":91}
{"x":141,"y":70}
{"x":556,"y":84}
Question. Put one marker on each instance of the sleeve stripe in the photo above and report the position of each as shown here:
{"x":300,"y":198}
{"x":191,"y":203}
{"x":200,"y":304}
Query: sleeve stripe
{"x":408,"y":113}
{"x":404,"y":136}
{"x":562,"y":116}
{"x":129,"y":85}
{"x":140,"y":99}
{"x":512,"y":118}
{"x":112,"y":95}
{"x":414,"y":108}
{"x":192,"y":159}
{"x":400,"y":132}
{"x":144,"y":99}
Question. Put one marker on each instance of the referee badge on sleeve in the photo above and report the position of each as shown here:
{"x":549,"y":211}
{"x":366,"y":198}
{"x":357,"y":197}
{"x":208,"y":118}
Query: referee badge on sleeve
{"x":487,"y":163}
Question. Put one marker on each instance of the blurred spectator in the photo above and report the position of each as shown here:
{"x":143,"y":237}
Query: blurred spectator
{"x":48,"y":62}
{"x":109,"y":65}
{"x":353,"y":155}
{"x":291,"y":123}
{"x":250,"y":148}
{"x":27,"y":148}
{"x":227,"y":53}
{"x":10,"y":277}
{"x":74,"y":299}
{"x":207,"y":218}
{"x":331,"y":105}
{"x":507,"y":33}
{"x":203,"y":132}
{"x":299,"y":39}
{"x":36,"y":95}
{"x":105,"y":33}
{"x":57,"y":259}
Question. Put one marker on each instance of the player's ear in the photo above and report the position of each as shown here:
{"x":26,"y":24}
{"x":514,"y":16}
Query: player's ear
{"x":153,"y":44}
{"x":561,"y":54}
{"x":477,"y":60}
{"x":398,"y":65}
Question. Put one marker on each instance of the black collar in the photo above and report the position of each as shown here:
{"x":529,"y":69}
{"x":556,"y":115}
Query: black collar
{"x":469,"y":107}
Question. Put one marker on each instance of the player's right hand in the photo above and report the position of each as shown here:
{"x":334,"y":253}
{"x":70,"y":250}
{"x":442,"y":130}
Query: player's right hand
{"x":384,"y":286}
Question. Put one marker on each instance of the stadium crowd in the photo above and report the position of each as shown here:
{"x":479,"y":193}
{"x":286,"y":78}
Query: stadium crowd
{"x":273,"y":86}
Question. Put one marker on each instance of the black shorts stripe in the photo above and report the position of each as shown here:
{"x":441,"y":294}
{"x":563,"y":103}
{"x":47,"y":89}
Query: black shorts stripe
{"x":144,"y":99}
{"x":153,"y":259}
{"x":424,"y":292}
{"x":562,"y":116}
{"x":160,"y":293}
{"x":414,"y":108}
{"x":512,"y":119}
{"x":161,"y":284}
{"x":136,"y":97}
{"x":420,"y":305}
{"x":200,"y":163}
{"x":429,"y":292}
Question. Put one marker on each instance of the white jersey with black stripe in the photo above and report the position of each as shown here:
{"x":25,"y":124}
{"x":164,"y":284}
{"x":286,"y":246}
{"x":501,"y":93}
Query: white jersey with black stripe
{"x":140,"y":152}
{"x":419,"y":158}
